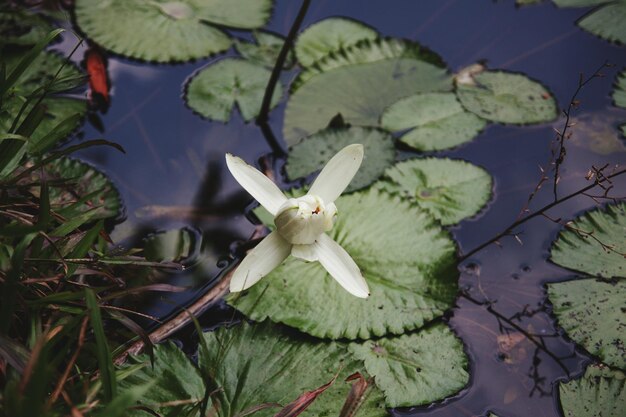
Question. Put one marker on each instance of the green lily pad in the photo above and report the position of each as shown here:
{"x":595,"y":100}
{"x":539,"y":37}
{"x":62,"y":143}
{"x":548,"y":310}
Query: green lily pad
{"x":167,"y":31}
{"x":407,"y":260}
{"x":18,"y":27}
{"x":438,"y":121}
{"x":216,"y":89}
{"x":619,"y":95}
{"x":314,"y":152}
{"x":591,"y":313}
{"x":576,"y":249}
{"x":600,"y":392}
{"x":417,"y":368}
{"x":259,"y":364}
{"x":170,"y":245}
{"x":265,"y":50}
{"x":177,"y":385}
{"x":451,"y":190}
{"x":605,"y":21}
{"x":359,"y":93}
{"x":365,"y":52}
{"x":330,"y":35}
{"x":506,"y":97}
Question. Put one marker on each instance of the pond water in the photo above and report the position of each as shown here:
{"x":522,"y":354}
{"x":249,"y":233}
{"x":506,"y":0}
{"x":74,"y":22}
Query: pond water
{"x":173,"y":175}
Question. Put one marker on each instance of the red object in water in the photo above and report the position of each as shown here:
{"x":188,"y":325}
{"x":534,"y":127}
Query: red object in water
{"x":98,"y":79}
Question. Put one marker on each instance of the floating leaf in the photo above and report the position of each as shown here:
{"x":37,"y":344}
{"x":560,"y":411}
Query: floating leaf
{"x":417,"y":368}
{"x":600,"y":392}
{"x":591,"y":313}
{"x":258,"y":364}
{"x":330,"y":35}
{"x":265,"y":51}
{"x":605,"y":21}
{"x":177,"y":383}
{"x":217,"y":88}
{"x":359,"y":93}
{"x":450,"y":190}
{"x":406,"y":258}
{"x":619,"y":95}
{"x":18,"y":27}
{"x":438,"y":121}
{"x":596,"y":131}
{"x":527,"y":2}
{"x":165,"y":31}
{"x":314,"y":152}
{"x":580,"y":245}
{"x":170,"y":245}
{"x":506,"y":97}
{"x":366,"y":52}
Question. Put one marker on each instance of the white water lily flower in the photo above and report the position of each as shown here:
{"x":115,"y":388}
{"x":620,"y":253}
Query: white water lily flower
{"x":301,"y":223}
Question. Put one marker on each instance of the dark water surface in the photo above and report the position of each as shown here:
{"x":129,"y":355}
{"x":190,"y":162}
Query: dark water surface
{"x":174,"y":175}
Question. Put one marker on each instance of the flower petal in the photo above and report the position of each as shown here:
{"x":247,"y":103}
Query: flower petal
{"x":305,"y":252}
{"x":338,"y":173}
{"x":341,"y":266}
{"x":260,"y":261}
{"x":254,"y":182}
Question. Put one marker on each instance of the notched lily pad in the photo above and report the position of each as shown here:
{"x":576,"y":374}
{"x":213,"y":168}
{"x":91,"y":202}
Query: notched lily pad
{"x":437,"y":121}
{"x":417,"y":368}
{"x":605,"y":21}
{"x":506,"y":97}
{"x":165,"y":31}
{"x":214,"y":91}
{"x":314,"y":152}
{"x":265,"y":50}
{"x":330,"y":35}
{"x":594,"y":243}
{"x":451,"y":190}
{"x":591,"y":313}
{"x":407,"y":260}
{"x":599,"y":392}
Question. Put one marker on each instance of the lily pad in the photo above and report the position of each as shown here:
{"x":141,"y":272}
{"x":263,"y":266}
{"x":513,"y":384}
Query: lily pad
{"x":265,"y":50}
{"x":619,"y":95}
{"x":359,"y":93}
{"x":170,"y":245}
{"x":418,"y":368}
{"x":407,"y":260}
{"x":365,"y":52}
{"x":580,"y":246}
{"x":258,"y":364}
{"x":591,"y":313}
{"x":18,"y":27}
{"x":165,"y":31}
{"x":438,"y":121}
{"x":216,"y":89}
{"x":605,"y":21}
{"x":451,"y":190}
{"x":314,"y":152}
{"x":177,"y":385}
{"x":600,"y":392}
{"x":505,"y":97}
{"x":330,"y":35}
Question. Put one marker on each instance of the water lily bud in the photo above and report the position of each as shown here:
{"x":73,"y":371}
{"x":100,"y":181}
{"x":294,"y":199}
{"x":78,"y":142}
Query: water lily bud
{"x":300,"y":221}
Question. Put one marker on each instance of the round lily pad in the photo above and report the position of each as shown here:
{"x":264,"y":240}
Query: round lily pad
{"x":506,"y":97}
{"x":407,"y":260}
{"x":359,"y":93}
{"x":314,"y":152}
{"x":367,"y":51}
{"x":605,"y":21}
{"x":265,"y":50}
{"x":330,"y":35}
{"x":591,"y":313}
{"x":438,"y":121}
{"x":167,"y":31}
{"x":599,"y":392}
{"x":417,"y":368}
{"x":215,"y":90}
{"x":451,"y":190}
{"x":580,"y":246}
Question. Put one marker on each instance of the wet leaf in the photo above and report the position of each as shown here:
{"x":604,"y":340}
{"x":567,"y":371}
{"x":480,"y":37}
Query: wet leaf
{"x":437,"y":121}
{"x":359,"y":93}
{"x":580,"y":247}
{"x":216,"y":89}
{"x":417,"y":368}
{"x":314,"y":152}
{"x":506,"y":97}
{"x":605,"y":21}
{"x":451,"y":190}
{"x":591,"y":313}
{"x":165,"y":31}
{"x":599,"y":392}
{"x":265,"y":50}
{"x":328,"y":36}
{"x":406,"y":258}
